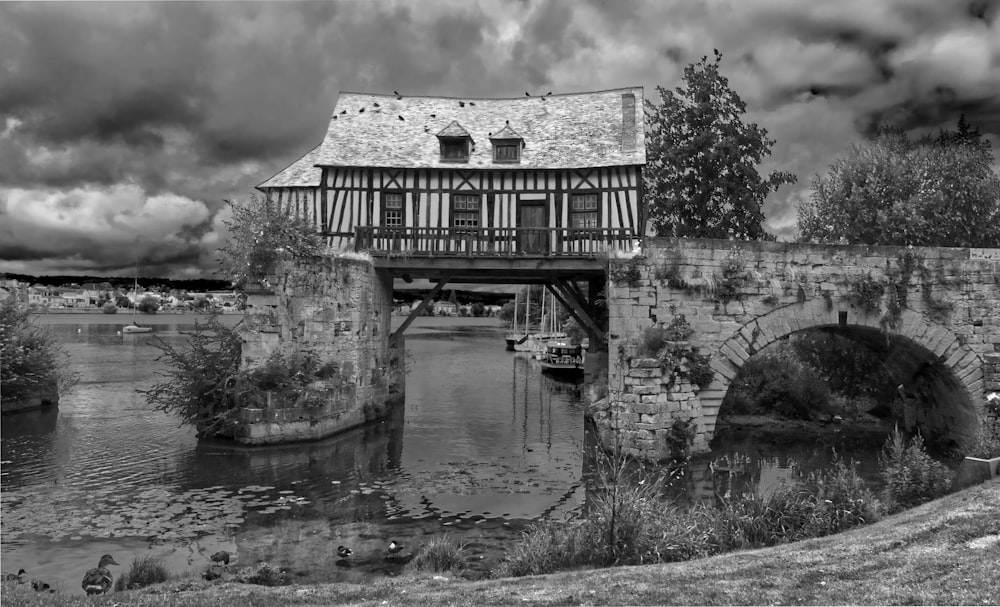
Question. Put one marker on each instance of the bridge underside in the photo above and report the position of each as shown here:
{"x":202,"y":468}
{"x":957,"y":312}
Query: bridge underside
{"x":563,"y":276}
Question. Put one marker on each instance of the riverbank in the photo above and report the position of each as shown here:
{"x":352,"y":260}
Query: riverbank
{"x":941,"y":553}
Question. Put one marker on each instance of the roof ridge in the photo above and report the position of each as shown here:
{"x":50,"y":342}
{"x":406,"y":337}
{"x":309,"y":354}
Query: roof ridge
{"x":459,"y":98}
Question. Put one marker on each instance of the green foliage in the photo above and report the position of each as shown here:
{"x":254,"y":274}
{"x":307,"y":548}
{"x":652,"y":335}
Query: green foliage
{"x":630,"y":522}
{"x":867,"y":294}
{"x":260,"y":235}
{"x":677,"y":357}
{"x":148,"y":305}
{"x":32,"y":363}
{"x":911,"y":475}
{"x":776,"y":382}
{"x":987,"y":441}
{"x":109,"y":308}
{"x":701,"y":176}
{"x":145,"y":571}
{"x":201,"y":378}
{"x":262,"y":574}
{"x":679,"y":439}
{"x":441,"y":554}
{"x":893,"y":190}
{"x":625,"y":271}
{"x":849,"y":367}
{"x":294,"y":380}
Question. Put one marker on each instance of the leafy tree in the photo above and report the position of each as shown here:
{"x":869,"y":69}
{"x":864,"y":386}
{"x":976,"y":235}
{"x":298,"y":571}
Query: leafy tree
{"x":31,"y":360}
{"x":894,"y":190}
{"x":701,"y":178}
{"x":148,"y":305}
{"x":259,"y":235}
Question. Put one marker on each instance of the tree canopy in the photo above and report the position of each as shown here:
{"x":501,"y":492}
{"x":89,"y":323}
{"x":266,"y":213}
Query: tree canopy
{"x":701,"y":178}
{"x":896,"y":190}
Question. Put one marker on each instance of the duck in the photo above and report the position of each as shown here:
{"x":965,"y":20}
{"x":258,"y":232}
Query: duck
{"x":395,"y":547}
{"x":40,"y":586}
{"x":220,"y":557}
{"x":15,"y":577}
{"x":99,"y":580}
{"x":344,"y":552}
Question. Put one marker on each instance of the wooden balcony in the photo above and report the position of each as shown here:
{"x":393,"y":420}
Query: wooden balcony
{"x":509,"y":243}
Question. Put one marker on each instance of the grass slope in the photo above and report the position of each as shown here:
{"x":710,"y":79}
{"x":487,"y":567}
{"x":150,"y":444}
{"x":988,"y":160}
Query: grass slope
{"x":945,"y":552}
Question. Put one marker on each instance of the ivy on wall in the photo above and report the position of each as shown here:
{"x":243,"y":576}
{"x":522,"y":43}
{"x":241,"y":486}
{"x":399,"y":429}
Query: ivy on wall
{"x":678,"y":359}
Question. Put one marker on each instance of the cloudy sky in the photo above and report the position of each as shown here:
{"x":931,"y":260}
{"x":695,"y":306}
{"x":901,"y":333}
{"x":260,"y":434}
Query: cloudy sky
{"x":124,"y":126}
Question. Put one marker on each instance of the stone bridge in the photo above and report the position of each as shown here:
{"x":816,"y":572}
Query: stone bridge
{"x":936,"y":310}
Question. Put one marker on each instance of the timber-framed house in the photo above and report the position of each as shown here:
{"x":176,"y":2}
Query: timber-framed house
{"x":529,"y":190}
{"x":530,"y":175}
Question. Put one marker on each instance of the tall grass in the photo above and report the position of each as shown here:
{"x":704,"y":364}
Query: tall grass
{"x":911,"y":475}
{"x":440,"y":555}
{"x":628,"y":521}
{"x":144,"y":571}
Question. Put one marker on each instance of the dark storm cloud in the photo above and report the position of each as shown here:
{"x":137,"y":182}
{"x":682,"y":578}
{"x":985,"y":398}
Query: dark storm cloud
{"x":127,"y":123}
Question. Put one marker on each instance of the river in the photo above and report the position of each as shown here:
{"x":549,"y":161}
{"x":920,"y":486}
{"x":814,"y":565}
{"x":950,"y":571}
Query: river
{"x":484,"y":445}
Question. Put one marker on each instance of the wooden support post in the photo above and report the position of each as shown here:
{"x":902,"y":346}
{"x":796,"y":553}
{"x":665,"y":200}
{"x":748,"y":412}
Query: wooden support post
{"x":574,"y":303}
{"x":420,"y":309}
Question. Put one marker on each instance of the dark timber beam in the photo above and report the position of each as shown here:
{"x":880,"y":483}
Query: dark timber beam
{"x":420,"y":309}
{"x":571,"y":301}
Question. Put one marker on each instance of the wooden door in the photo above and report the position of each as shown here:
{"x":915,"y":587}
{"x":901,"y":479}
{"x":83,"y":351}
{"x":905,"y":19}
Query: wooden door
{"x":532,"y":215}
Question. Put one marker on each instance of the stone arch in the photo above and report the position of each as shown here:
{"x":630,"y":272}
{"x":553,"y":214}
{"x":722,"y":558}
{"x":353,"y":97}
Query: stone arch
{"x":955,"y":372}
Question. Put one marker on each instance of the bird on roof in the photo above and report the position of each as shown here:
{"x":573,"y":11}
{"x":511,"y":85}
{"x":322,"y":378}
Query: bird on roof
{"x":376,"y":104}
{"x":472,"y":103}
{"x":220,"y":557}
{"x":549,"y":93}
{"x":401,"y":118}
{"x":361,"y":111}
{"x":99,"y":579}
{"x":398,"y":96}
{"x":15,"y":577}
{"x":344,"y":112}
{"x":427,"y":129}
{"x":527,"y":94}
{"x":434,"y":115}
{"x":461,"y":104}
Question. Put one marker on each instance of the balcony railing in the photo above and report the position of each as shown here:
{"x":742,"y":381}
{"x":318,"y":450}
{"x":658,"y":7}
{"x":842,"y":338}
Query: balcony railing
{"x":492,"y":242}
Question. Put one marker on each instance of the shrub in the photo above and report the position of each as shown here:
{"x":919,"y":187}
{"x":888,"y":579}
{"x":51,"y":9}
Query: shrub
{"x":776,"y":382}
{"x":261,"y":235}
{"x":441,"y":554}
{"x":31,"y":360}
{"x":148,"y":305}
{"x":145,"y":571}
{"x":545,"y":547}
{"x":262,"y":574}
{"x":912,"y":477}
{"x":677,"y":358}
{"x":201,"y":378}
{"x":109,"y":308}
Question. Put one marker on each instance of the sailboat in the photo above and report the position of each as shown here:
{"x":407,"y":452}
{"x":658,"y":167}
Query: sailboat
{"x":523,"y":343}
{"x":515,"y":338}
{"x":135,"y":327}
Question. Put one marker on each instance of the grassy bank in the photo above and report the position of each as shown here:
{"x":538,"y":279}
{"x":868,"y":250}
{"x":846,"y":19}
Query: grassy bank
{"x":944,"y":552}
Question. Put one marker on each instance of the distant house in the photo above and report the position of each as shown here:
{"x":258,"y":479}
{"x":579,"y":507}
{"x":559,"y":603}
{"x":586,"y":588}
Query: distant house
{"x":444,"y":308}
{"x":73,"y":298}
{"x":555,"y":164}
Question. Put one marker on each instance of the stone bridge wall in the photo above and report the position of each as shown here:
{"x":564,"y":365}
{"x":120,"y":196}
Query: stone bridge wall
{"x":339,"y":309}
{"x":938,"y":309}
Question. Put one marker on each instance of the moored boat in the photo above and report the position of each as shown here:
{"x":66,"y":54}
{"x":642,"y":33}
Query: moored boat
{"x":562,"y":358}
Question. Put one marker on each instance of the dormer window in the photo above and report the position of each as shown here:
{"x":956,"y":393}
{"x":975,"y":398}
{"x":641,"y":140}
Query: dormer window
{"x":455,"y":149}
{"x":507,"y":145}
{"x":456,"y":143}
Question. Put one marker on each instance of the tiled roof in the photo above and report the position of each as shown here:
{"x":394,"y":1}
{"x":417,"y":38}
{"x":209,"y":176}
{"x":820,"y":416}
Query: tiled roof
{"x":506,"y":133}
{"x":454,"y":130}
{"x":575,"y":130}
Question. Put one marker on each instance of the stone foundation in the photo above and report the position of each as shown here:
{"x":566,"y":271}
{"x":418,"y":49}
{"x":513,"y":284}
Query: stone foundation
{"x":937,"y":309}
{"x":338,"y":310}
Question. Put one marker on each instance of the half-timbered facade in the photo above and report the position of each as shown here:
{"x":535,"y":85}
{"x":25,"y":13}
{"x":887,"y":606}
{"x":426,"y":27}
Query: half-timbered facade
{"x":551,"y":175}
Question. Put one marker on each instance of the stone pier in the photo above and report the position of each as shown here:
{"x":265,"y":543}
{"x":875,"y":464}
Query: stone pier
{"x":337,"y":310}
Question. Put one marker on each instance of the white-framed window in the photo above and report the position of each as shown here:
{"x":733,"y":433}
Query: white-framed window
{"x":584,"y":212}
{"x":465,"y":210}
{"x":392,"y":209}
